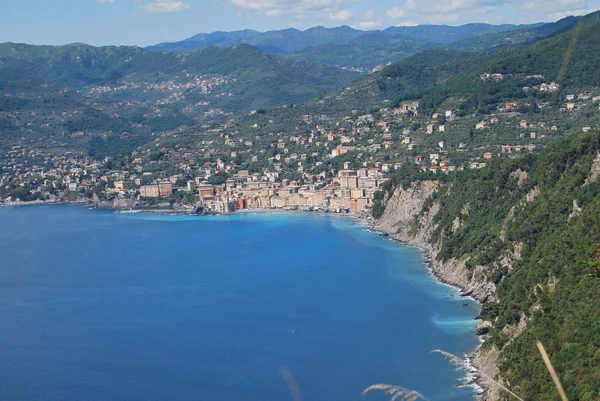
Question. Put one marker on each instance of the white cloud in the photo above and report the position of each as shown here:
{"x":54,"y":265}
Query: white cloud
{"x":407,"y":23}
{"x":395,"y":13}
{"x":370,"y":21}
{"x":413,"y":11}
{"x":553,"y":10}
{"x":367,"y":25}
{"x":554,"y":5}
{"x":460,"y":11}
{"x":164,"y":6}
{"x":342,"y":15}
{"x":298,"y":9}
{"x":555,"y":16}
{"x":450,"y":11}
{"x":451,"y":6}
{"x":370,"y":15}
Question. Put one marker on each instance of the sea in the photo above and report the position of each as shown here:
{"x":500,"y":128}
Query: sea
{"x":96,"y":305}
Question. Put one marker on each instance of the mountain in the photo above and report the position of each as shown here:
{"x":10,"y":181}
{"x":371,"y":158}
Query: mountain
{"x":437,"y":74}
{"x":448,"y":34}
{"x":527,"y":34}
{"x":277,"y":41}
{"x":378,"y":48}
{"x":362,"y":57}
{"x":436,"y":77}
{"x":289,"y":40}
{"x":403,"y":79}
{"x":294,"y":40}
{"x":522,"y":65}
{"x":130,"y":93}
{"x":246,"y":74}
{"x":367,"y":50}
{"x":204,"y":40}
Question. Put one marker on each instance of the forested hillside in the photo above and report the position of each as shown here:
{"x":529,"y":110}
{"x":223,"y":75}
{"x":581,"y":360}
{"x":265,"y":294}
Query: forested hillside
{"x":60,"y":95}
{"x":366,"y":50}
{"x":251,"y":73}
{"x":522,"y":35}
{"x":531,"y":227}
{"x":521,"y":66}
{"x":520,"y":233}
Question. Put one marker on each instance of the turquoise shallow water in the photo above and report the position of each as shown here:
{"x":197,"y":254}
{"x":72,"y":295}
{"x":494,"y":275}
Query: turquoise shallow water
{"x":102,"y":306}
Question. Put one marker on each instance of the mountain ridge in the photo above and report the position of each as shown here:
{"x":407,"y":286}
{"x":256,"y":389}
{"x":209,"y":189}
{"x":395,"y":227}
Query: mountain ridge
{"x":291,"y":39}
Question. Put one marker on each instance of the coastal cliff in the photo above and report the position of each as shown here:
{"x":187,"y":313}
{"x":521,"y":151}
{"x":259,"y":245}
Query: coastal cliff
{"x":407,"y":219}
{"x":521,"y":236}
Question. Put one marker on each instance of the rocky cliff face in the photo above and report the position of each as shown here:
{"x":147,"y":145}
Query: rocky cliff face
{"x":408,"y":221}
{"x":409,"y":218}
{"x":118,"y":203}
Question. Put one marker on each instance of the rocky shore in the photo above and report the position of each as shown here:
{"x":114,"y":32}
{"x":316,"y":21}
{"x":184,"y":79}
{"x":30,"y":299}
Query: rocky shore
{"x":404,"y":221}
{"x":120,"y":205}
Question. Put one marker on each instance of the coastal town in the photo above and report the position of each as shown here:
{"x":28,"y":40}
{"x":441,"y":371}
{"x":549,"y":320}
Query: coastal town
{"x":279,"y":159}
{"x":77,"y":180}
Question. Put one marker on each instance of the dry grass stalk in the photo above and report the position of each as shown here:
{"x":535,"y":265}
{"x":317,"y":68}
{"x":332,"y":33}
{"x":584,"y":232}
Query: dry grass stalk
{"x":291,"y":383}
{"x":550,"y":368}
{"x":461,"y":365}
{"x":396,"y":393}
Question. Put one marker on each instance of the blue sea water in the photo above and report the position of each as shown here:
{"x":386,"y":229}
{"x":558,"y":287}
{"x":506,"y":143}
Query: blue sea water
{"x":102,"y":306}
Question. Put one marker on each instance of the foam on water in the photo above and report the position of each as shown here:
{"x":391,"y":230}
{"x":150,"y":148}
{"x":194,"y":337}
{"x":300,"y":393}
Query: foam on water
{"x":453,"y":326}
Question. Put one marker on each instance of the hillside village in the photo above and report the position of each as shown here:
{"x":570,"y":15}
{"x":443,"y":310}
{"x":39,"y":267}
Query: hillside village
{"x":166,"y":92}
{"x":279,"y":159}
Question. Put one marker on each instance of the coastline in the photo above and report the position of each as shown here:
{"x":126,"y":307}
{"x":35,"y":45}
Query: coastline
{"x":364,"y":219}
{"x":351,"y":230}
{"x":472,"y":377}
{"x":180,"y":209}
{"x":407,"y":221}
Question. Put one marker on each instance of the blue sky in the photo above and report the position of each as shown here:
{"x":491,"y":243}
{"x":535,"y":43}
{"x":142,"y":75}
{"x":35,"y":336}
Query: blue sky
{"x":144,"y":22}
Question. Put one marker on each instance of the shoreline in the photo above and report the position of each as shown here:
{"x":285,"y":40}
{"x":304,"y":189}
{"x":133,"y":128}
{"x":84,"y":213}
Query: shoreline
{"x":364,"y":219}
{"x":178,"y":209}
{"x":472,"y":378}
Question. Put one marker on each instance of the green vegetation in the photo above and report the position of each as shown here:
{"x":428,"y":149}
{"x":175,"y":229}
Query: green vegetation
{"x":100,"y":147}
{"x":542,"y":60}
{"x":397,"y":43}
{"x":53,"y":93}
{"x":523,"y":35}
{"x":542,"y":214}
{"x":361,"y":55}
{"x":256,"y":74}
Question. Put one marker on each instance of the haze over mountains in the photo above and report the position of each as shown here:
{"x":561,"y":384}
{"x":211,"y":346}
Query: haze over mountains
{"x":364,"y":50}
{"x":291,"y":40}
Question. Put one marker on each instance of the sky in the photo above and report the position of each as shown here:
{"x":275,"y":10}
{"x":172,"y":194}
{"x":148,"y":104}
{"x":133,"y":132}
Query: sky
{"x":146,"y":22}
